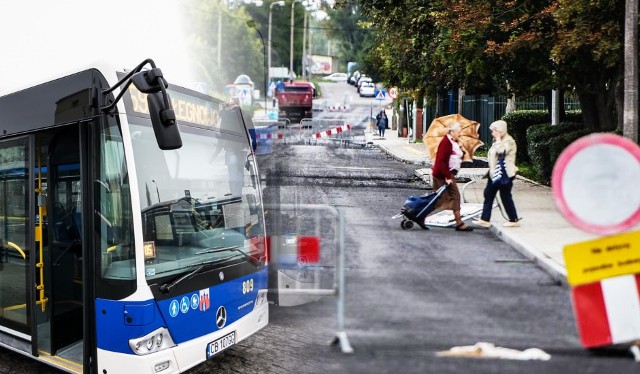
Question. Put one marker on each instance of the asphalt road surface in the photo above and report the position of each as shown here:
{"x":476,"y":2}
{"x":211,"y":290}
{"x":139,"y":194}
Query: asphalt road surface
{"x":409,"y":293}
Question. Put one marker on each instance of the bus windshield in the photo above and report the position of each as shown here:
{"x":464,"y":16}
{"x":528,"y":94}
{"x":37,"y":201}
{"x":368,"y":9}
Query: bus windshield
{"x":200,"y":203}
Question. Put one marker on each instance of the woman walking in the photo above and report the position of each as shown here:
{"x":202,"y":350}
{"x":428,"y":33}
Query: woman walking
{"x":382,"y":121}
{"x":502,"y":160}
{"x":447,"y":163}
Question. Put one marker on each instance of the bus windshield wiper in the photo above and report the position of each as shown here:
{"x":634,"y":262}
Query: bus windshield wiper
{"x":219,"y":249}
{"x":165,"y":288}
{"x":236,"y":248}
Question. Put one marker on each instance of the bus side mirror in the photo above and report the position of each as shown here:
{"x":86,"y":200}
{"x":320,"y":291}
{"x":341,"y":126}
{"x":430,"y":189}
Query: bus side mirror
{"x":163,"y":117}
{"x":164,"y":122}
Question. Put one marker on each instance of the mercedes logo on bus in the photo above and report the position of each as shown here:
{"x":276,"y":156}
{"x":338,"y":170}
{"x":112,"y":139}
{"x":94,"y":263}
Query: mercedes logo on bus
{"x":221,"y":317}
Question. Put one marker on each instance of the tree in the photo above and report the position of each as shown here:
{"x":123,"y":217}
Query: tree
{"x":589,"y":55}
{"x":404,"y":53}
{"x":347,"y":26}
{"x":240,"y":48}
{"x":524,"y":46}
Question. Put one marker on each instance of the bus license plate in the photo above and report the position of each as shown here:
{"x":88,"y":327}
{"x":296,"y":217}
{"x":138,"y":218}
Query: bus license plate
{"x":221,"y":344}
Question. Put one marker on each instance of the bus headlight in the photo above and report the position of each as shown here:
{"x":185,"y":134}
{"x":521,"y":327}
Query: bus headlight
{"x":261,"y":298}
{"x":152,"y":342}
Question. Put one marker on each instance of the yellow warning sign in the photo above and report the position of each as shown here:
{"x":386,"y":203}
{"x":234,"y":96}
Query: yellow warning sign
{"x":594,"y":260}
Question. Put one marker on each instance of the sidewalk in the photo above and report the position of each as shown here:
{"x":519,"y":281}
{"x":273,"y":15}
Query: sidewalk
{"x":543,"y":232}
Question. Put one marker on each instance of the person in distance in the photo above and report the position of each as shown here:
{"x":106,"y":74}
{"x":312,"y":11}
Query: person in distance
{"x":382,"y":121}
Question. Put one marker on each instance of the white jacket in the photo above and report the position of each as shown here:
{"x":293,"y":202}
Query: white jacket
{"x":508,"y":146}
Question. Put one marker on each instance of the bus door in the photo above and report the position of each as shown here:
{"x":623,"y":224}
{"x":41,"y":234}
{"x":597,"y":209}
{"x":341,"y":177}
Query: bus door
{"x":15,"y":234}
{"x":63,"y":257}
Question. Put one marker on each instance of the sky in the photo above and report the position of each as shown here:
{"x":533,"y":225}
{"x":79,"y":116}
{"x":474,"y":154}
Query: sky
{"x":41,"y":39}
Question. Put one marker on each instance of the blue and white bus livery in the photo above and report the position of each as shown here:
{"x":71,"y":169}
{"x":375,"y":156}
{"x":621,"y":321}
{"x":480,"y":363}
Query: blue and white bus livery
{"x":132,"y":224}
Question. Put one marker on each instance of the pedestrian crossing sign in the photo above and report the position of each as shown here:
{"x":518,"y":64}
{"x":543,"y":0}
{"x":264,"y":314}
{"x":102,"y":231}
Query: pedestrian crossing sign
{"x":381,"y":95}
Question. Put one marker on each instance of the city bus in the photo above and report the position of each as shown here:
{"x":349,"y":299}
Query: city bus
{"x":132,"y":233}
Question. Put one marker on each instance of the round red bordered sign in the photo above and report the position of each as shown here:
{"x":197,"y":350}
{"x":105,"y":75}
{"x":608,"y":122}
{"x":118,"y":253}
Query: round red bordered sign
{"x":596,"y":183}
{"x":393,"y":92}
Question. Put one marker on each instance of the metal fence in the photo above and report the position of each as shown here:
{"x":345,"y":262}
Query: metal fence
{"x":486,"y":108}
{"x":306,"y":257}
{"x":308,"y":131}
{"x":327,"y":129}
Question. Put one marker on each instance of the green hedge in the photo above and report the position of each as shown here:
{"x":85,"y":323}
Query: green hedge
{"x":573,"y":116}
{"x":518,"y":122}
{"x":546,"y":143}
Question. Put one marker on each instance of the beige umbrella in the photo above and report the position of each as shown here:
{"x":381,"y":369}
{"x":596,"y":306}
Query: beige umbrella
{"x":469,"y":138}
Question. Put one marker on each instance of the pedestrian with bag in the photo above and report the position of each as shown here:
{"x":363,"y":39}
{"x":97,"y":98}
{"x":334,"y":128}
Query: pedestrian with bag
{"x":445,"y":167}
{"x":502,"y":172}
{"x":382,"y":121}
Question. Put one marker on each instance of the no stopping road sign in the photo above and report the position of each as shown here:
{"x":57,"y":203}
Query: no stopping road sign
{"x":595,"y":183}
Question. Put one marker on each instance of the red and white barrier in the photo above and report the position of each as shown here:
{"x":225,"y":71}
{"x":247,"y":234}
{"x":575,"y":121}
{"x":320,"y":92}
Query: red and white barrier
{"x":293,"y":249}
{"x":608,"y":312}
{"x":338,"y":108}
{"x":265,"y":136}
{"x":330,"y":132}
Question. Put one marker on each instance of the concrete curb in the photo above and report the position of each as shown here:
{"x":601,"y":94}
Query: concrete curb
{"x":555,"y":271}
{"x":396,"y":157}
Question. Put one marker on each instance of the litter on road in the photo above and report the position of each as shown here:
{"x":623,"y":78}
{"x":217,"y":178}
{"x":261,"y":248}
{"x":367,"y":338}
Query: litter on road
{"x":489,"y":350}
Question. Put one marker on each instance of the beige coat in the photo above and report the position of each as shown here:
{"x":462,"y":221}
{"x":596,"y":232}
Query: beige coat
{"x":508,"y":146}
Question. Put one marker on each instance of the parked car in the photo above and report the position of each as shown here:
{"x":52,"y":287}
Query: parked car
{"x":337,"y":77}
{"x":363,"y":79}
{"x":354,"y":78}
{"x":367,"y":89}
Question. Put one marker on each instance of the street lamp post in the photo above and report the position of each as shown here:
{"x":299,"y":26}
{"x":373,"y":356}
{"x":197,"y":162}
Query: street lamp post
{"x":309,"y":6}
{"x":291,"y":40}
{"x":279,"y":3}
{"x":219,"y":35}
{"x":304,"y":46}
{"x":251,"y":23}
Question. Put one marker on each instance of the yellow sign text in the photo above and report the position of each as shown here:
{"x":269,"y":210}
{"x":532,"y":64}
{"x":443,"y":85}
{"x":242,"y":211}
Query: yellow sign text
{"x":594,"y":260}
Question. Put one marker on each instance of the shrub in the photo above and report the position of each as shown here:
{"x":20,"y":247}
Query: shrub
{"x":519,"y":121}
{"x":546,"y":143}
{"x":573,"y":116}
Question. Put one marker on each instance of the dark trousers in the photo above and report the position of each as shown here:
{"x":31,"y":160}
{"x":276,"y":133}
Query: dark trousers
{"x":381,"y":129}
{"x":490,"y":192}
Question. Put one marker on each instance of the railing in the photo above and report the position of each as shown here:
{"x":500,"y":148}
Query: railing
{"x":306,"y":257}
{"x":486,"y":109}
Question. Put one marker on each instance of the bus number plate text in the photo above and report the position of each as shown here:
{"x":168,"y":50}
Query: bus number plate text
{"x":221,"y":344}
